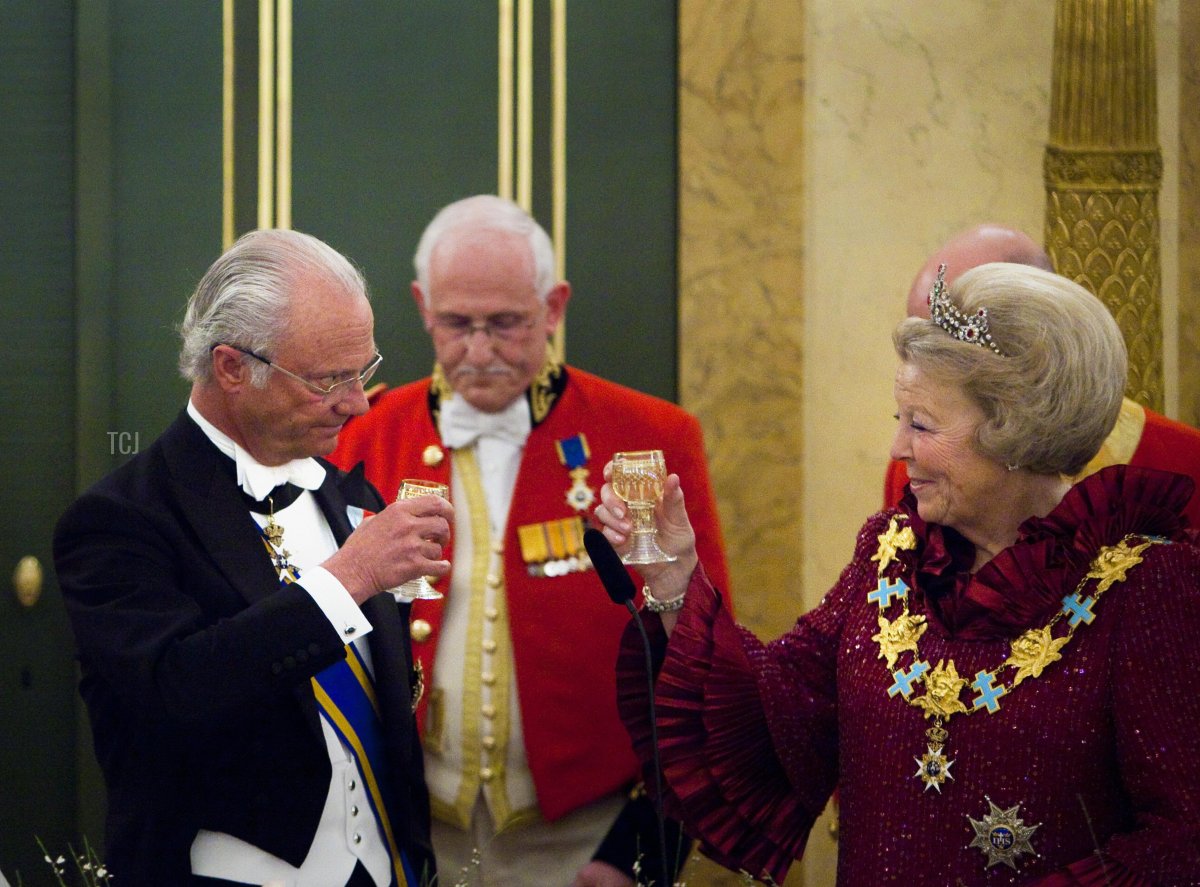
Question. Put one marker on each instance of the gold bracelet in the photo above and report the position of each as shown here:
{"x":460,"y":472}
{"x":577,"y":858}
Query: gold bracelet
{"x":654,"y":605}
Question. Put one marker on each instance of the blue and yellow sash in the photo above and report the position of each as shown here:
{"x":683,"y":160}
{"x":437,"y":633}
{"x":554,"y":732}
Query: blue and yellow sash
{"x":345,"y":694}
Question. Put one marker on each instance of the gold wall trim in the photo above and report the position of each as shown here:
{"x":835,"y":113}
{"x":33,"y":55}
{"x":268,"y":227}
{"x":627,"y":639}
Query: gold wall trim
{"x":283,"y":116}
{"x":1189,"y":213}
{"x":1091,"y":170}
{"x":558,"y":154}
{"x":504,"y":112}
{"x":266,"y":113}
{"x":515,"y":121}
{"x":525,"y":104}
{"x":227,"y":80}
{"x":273,"y":200}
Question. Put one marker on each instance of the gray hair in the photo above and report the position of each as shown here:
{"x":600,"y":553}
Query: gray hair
{"x":243,"y":298}
{"x":487,"y":212}
{"x":1054,"y":397}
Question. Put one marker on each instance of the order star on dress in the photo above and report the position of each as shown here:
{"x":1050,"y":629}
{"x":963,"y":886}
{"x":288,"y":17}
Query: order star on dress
{"x":1002,"y":835}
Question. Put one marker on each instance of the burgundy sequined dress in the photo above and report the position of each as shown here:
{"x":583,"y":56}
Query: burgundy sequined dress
{"x":1101,"y":748}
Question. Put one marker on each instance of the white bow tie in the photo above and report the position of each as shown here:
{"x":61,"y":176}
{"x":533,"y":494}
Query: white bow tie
{"x":259,"y":480}
{"x":461,"y":424}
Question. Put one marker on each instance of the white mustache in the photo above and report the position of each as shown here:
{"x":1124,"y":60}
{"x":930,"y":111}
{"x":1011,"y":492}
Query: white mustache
{"x":493,"y":370}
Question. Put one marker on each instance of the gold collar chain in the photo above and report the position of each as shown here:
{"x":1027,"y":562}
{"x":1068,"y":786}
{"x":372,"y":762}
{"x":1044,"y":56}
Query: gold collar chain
{"x":937,"y":690}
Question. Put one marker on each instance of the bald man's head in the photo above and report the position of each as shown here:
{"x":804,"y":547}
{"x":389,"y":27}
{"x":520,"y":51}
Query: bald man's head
{"x":967,"y":249}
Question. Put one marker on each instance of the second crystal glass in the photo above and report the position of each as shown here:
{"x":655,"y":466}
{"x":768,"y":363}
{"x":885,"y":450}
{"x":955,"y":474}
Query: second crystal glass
{"x":419,"y":588}
{"x":637,"y":478}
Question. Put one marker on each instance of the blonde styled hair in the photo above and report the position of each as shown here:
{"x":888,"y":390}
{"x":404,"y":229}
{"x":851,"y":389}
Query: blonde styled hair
{"x":1054,"y":396}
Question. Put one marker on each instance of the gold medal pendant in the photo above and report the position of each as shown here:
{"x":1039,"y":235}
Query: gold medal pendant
{"x":580,"y":496}
{"x":1002,"y":835}
{"x":272,"y":534}
{"x":273,"y":531}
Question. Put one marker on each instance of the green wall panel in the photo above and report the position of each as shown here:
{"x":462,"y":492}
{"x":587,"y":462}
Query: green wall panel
{"x":112,"y":210}
{"x":394,"y":116}
{"x":37,"y":676}
{"x":621,"y":164}
{"x":166,"y":181}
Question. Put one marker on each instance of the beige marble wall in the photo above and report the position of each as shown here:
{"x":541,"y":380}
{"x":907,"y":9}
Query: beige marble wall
{"x":826,"y":147}
{"x":742,"y":210}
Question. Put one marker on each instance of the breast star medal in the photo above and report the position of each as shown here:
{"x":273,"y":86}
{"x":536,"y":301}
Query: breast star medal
{"x":1002,"y":835}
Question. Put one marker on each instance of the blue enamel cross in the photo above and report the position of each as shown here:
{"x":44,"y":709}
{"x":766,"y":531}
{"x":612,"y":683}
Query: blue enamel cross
{"x":888,"y":588}
{"x":1078,"y":609}
{"x":906,"y":679}
{"x":989,"y":695}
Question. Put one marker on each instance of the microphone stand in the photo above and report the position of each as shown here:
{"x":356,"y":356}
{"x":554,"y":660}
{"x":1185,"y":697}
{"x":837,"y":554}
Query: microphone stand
{"x":658,"y":780}
{"x":620,"y":588}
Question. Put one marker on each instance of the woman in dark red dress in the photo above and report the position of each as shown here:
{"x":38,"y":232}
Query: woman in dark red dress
{"x":1003,"y":682}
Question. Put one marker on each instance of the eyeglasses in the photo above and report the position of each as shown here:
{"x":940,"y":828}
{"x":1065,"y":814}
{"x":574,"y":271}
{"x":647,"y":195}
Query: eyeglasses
{"x":338,"y":384}
{"x":505,"y":327}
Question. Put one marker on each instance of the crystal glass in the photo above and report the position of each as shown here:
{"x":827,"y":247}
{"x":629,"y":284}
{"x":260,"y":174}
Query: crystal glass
{"x":637,"y":478}
{"x":419,"y":588}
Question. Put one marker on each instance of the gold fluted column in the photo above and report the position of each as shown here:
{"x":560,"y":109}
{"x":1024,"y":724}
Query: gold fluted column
{"x":1103,"y":168}
{"x":1189,"y":214}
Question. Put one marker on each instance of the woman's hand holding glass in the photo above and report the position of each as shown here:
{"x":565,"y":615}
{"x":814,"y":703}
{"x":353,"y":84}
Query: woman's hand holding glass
{"x":675,"y":536}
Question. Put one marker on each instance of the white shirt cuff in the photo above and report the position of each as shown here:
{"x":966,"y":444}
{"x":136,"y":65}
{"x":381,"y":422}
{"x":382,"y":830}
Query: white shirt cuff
{"x":335,"y":602}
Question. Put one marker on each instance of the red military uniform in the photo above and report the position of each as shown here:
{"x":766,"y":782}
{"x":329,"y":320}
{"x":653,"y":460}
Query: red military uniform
{"x":564,"y":629}
{"x":1140,"y":437}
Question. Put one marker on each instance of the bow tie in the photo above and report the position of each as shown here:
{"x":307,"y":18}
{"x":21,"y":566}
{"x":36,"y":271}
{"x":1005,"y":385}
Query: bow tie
{"x":461,"y":424}
{"x":276,"y":500}
{"x":260,"y":480}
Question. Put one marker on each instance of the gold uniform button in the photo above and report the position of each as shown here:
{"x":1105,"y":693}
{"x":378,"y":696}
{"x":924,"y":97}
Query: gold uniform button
{"x":489,"y":646}
{"x":498,"y":547}
{"x":432,"y":455}
{"x":489,"y":742}
{"x":488,"y":678}
{"x":489,"y":711}
{"x":491,"y":614}
{"x":486,"y":774}
{"x":420,"y":630}
{"x":494,"y":581}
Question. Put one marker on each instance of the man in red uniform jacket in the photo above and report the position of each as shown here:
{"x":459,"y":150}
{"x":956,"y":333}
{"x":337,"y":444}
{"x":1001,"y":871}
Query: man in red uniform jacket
{"x":528,"y":765}
{"x":1141,"y":436}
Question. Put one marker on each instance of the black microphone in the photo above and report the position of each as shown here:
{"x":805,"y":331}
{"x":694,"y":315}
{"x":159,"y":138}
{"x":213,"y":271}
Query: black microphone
{"x":609,"y":568}
{"x":620,"y":588}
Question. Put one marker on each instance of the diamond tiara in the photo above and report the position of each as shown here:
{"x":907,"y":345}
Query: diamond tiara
{"x":942,"y":311}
